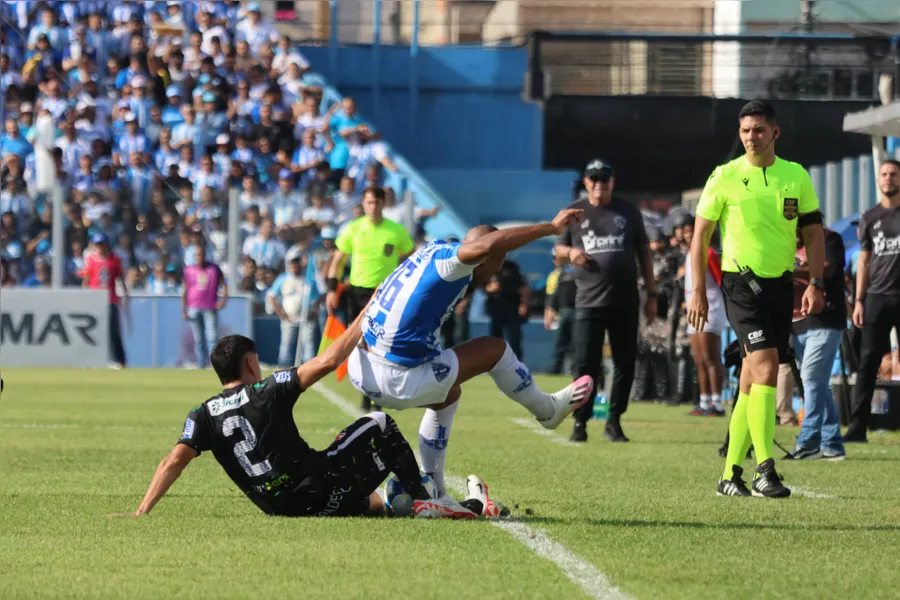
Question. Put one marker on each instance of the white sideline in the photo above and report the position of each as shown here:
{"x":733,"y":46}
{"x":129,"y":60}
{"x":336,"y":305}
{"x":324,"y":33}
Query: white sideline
{"x":552,"y":436}
{"x":594,"y":583}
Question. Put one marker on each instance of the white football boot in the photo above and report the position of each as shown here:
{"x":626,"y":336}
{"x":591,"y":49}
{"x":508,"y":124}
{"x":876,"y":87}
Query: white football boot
{"x":478,"y":490}
{"x":568,"y":400}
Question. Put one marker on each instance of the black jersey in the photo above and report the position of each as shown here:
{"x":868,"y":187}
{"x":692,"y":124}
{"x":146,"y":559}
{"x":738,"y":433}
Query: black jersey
{"x":879,"y":233}
{"x":250,"y":430}
{"x":614,"y":237}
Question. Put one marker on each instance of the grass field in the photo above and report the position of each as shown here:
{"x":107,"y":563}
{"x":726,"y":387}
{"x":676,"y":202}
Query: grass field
{"x":79,"y":444}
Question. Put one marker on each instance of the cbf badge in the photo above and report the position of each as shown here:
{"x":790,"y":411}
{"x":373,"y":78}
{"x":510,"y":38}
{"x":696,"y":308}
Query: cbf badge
{"x":790,"y":208}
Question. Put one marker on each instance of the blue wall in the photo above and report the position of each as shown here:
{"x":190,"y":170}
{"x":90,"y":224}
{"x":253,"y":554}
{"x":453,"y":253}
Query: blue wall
{"x":499,"y":195}
{"x":442,"y":108}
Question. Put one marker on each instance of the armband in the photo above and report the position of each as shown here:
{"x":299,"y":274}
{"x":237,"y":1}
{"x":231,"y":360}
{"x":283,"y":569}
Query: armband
{"x":813,"y":218}
{"x":332,"y":284}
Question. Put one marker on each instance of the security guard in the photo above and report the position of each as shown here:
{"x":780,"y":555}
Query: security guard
{"x":377,"y":246}
{"x":759,"y":201}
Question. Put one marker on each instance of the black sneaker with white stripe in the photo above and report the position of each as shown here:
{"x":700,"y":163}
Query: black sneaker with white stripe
{"x":767,"y":483}
{"x":734,"y":486}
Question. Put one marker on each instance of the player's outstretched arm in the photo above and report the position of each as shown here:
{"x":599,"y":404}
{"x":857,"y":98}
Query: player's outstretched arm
{"x":506,"y":240}
{"x":313,"y":370}
{"x":168,"y":471}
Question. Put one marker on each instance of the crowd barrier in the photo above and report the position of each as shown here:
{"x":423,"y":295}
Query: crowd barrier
{"x":155,"y":334}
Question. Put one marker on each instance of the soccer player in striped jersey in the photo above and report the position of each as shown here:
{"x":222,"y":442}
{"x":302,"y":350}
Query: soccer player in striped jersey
{"x":400,"y":363}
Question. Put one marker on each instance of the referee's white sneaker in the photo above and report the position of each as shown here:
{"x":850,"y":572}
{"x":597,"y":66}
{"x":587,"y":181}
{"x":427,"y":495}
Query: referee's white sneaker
{"x":568,"y":400}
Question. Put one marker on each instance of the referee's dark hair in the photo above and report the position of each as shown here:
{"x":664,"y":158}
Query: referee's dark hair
{"x":377,"y":191}
{"x":228,"y":354}
{"x":891,"y":161}
{"x":759,"y":108}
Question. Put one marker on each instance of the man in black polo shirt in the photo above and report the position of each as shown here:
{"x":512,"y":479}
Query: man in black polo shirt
{"x":877,"y":308}
{"x":605,"y":248}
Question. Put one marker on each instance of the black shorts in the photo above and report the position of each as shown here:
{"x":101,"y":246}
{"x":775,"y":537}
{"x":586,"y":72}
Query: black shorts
{"x":352,"y":470}
{"x":762,"y":321}
{"x":357,"y":298}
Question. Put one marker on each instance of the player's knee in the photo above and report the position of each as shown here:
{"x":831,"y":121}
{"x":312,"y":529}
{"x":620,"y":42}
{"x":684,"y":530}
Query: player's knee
{"x":381,"y":418}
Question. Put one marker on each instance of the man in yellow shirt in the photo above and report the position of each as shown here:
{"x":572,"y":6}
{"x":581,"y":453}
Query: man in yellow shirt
{"x":377,"y":246}
{"x":759,"y":201}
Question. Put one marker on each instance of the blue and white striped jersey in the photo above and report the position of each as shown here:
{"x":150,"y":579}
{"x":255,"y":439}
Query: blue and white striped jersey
{"x":403,"y":323}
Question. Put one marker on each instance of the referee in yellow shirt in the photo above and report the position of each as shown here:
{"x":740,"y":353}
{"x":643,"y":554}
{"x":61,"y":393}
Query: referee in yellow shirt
{"x":759,"y":201}
{"x":377,"y":246}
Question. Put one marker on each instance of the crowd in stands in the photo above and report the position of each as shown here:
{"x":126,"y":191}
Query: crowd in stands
{"x":159,"y":112}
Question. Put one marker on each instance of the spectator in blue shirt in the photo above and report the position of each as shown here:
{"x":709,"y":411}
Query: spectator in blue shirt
{"x":12,"y":142}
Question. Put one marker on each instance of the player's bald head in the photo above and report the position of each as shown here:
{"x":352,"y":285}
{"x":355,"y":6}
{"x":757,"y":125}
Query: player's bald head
{"x":477,"y":232}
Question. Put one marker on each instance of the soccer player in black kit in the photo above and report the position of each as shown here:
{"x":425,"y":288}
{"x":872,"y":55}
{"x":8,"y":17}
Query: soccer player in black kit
{"x":249,"y":428}
{"x":877,"y":308}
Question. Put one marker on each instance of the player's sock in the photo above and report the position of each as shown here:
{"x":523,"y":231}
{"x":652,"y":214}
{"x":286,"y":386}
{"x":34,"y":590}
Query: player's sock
{"x":514,"y":379}
{"x":738,"y":436}
{"x":705,"y":401}
{"x":434,"y":432}
{"x":716,"y":400}
{"x":761,"y":418}
{"x":402,"y":460}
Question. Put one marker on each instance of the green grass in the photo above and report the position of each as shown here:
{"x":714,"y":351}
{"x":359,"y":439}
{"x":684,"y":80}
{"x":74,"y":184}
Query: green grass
{"x":644,"y":513}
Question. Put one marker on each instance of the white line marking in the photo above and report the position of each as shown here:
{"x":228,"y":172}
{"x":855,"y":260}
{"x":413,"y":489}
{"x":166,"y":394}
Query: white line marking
{"x":547,"y":433}
{"x":594,"y":583}
{"x":811,"y":493}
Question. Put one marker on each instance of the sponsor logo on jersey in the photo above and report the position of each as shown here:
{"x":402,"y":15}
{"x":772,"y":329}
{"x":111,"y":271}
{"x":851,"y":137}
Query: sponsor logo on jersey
{"x":885,"y":246}
{"x":282,"y":377}
{"x":440,"y":370}
{"x":594,"y":244}
{"x":526,"y":378}
{"x":620,"y":221}
{"x":217,"y":406}
{"x":877,"y":225}
{"x":188,"y":432}
{"x":585,"y":224}
{"x":388,"y":249}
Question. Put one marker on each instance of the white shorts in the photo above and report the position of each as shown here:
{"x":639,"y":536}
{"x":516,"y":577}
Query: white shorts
{"x":716,"y":323}
{"x":394,"y":386}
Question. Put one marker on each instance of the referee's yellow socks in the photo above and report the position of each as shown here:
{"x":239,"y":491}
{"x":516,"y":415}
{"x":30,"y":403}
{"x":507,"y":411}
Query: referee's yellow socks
{"x":738,"y":435}
{"x":761,"y":418}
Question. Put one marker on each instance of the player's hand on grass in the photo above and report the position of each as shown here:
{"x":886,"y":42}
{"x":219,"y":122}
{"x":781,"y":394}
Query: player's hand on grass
{"x":812,"y":302}
{"x":698,"y":309}
{"x":858,"y":315}
{"x":565,"y":218}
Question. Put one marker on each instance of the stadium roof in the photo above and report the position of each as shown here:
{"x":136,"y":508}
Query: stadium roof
{"x":881,"y":121}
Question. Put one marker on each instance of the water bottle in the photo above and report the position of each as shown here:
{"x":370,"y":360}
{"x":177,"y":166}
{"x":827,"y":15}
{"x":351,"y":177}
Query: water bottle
{"x":601,"y":407}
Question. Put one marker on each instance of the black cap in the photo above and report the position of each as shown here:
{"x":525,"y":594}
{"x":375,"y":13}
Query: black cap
{"x":597,"y":166}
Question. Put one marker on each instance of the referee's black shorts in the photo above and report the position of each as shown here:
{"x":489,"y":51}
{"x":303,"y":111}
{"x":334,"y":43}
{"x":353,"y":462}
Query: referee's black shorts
{"x":357,"y":298}
{"x":761,"y":321}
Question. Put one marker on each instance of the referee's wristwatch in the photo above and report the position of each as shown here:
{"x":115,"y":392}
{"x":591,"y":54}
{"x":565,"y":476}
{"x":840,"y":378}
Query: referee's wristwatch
{"x":818,"y":283}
